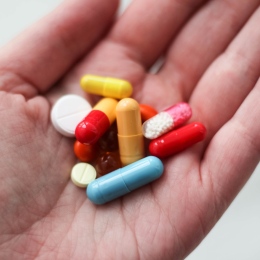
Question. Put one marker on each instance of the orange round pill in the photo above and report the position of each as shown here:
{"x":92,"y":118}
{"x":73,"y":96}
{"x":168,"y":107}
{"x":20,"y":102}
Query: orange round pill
{"x":86,"y":152}
{"x":147,"y":112}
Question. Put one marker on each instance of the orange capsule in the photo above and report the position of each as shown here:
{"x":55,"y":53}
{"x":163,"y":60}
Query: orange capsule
{"x":147,"y":112}
{"x":86,"y":152}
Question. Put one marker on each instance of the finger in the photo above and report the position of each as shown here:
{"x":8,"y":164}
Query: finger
{"x":201,"y":40}
{"x":45,"y":51}
{"x":234,"y":151}
{"x":229,"y":80}
{"x":139,"y":37}
{"x":150,"y":29}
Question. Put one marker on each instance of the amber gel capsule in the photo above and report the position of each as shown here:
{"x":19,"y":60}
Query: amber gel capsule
{"x":107,"y":87}
{"x":129,"y":127}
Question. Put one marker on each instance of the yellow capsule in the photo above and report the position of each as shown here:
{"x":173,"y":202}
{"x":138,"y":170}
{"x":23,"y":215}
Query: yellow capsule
{"x":108,"y":107}
{"x":129,"y":125}
{"x":107,"y":87}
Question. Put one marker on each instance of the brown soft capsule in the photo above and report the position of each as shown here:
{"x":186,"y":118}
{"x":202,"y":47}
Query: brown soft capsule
{"x":107,"y":162}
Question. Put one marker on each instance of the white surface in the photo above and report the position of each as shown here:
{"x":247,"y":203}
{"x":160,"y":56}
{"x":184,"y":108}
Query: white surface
{"x":237,"y":235}
{"x":68,"y":112}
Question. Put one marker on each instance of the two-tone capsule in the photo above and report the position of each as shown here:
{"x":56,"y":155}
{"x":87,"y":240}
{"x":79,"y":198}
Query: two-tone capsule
{"x":124,"y":180}
{"x":129,"y":125}
{"x":166,"y":120}
{"x":107,"y":87}
{"x":97,"y":122}
{"x":177,"y":140}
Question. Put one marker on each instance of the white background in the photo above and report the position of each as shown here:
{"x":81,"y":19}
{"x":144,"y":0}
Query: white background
{"x":237,"y":235}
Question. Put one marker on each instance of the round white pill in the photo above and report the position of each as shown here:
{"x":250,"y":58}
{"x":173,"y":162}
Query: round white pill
{"x":67,"y":112}
{"x":82,"y":174}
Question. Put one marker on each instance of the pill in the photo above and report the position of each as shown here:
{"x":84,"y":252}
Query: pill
{"x":97,"y":122}
{"x":177,"y":140}
{"x":108,"y":141}
{"x":147,"y":112}
{"x":107,"y":87}
{"x":166,"y":120}
{"x":129,"y":127}
{"x":82,"y":174}
{"x":86,"y":152}
{"x":107,"y":162}
{"x":67,"y":112}
{"x":124,"y":180}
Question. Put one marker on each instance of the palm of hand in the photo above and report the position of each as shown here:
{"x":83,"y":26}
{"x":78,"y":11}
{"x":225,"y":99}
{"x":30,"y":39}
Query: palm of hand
{"x":43,"y":213}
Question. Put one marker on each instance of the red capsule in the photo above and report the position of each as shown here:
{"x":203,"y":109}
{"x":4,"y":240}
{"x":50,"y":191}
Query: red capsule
{"x":177,"y":140}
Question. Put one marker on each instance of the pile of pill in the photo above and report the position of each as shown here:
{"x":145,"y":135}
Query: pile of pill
{"x":110,"y":137}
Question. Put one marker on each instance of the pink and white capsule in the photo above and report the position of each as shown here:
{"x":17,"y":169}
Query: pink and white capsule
{"x":166,"y":120}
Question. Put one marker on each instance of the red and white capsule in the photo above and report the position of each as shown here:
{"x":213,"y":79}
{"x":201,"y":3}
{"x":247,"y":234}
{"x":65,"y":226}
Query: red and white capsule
{"x":166,"y":120}
{"x":177,"y":140}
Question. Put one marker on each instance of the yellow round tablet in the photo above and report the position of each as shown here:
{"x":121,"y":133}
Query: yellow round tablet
{"x":82,"y":174}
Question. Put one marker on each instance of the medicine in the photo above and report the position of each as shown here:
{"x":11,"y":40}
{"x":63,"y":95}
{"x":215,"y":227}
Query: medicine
{"x":177,"y":140}
{"x":97,"y":122}
{"x":107,"y":87}
{"x":82,"y":174}
{"x":108,"y":141}
{"x":147,"y":112}
{"x":67,"y":112}
{"x":86,"y":152}
{"x":124,"y":180}
{"x":129,"y":128}
{"x":107,"y":162}
{"x":166,"y":120}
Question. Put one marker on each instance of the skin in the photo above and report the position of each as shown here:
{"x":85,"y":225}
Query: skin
{"x":211,"y":51}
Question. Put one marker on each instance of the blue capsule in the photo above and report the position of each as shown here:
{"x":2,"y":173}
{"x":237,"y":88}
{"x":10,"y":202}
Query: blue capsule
{"x":124,"y":180}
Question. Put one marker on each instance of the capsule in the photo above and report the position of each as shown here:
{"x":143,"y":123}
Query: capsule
{"x":107,"y":162}
{"x":97,"y":122}
{"x":86,"y":152}
{"x":177,"y":140}
{"x":108,"y":141}
{"x":107,"y":87}
{"x":166,"y":120}
{"x":147,"y":112}
{"x":129,"y":128}
{"x":124,"y":180}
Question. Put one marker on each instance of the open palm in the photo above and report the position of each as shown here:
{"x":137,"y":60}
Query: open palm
{"x":211,"y":51}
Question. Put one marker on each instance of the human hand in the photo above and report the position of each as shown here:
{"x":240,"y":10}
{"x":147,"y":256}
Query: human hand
{"x":211,"y":61}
